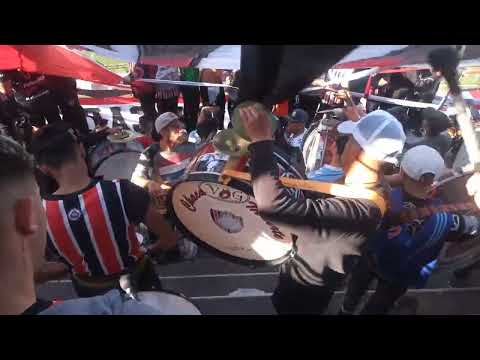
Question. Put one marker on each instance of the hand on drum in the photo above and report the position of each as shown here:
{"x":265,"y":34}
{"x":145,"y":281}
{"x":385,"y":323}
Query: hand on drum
{"x":473,"y":188}
{"x":256,"y":123}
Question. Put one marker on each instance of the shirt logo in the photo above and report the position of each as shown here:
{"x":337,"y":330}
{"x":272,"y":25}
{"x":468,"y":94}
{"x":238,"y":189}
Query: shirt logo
{"x":74,"y":214}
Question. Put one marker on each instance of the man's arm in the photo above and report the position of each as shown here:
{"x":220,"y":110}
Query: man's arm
{"x":139,"y":209}
{"x":394,"y":180}
{"x":273,"y":199}
{"x":140,"y":175}
{"x":156,"y":223}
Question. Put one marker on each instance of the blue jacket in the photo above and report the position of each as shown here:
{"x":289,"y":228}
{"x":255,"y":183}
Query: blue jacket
{"x":406,"y":254}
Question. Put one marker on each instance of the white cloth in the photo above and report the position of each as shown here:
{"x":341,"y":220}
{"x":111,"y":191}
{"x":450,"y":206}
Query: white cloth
{"x":194,"y":138}
{"x":295,"y":140}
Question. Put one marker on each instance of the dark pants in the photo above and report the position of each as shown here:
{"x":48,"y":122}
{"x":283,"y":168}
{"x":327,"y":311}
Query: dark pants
{"x":382,"y":300}
{"x":219,"y":101}
{"x":145,"y":279}
{"x":147,"y":103}
{"x":191,"y":106}
{"x":290,"y":297}
{"x":73,"y":113}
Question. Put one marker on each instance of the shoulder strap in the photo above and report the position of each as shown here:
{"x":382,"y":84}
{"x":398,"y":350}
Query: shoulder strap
{"x":316,"y":186}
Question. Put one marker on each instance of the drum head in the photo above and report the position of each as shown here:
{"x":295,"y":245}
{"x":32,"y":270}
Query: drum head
{"x":118,"y":166}
{"x":225,"y":219}
{"x":115,"y":160}
{"x":168,"y":303}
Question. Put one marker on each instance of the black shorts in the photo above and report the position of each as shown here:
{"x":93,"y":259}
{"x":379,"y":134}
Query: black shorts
{"x":292,"y":297}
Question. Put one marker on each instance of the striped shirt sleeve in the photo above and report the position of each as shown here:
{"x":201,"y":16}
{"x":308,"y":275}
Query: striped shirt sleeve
{"x":136,"y":200}
{"x":144,"y":165}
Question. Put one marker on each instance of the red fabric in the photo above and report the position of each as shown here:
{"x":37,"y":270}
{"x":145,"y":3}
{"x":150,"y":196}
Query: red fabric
{"x":475,"y":93}
{"x":54,"y":60}
{"x":116,"y":100}
{"x":387,"y":61}
{"x":402,"y":70}
{"x":104,"y":241}
{"x":145,"y":140}
{"x":61,"y":237}
{"x":281,"y":109}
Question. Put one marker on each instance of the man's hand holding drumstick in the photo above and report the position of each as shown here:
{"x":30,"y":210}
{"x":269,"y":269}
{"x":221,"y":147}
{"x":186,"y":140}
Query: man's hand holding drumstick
{"x":351,"y":111}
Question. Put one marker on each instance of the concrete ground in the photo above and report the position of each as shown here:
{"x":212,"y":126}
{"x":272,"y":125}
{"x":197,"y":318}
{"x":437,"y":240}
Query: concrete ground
{"x":219,"y":287}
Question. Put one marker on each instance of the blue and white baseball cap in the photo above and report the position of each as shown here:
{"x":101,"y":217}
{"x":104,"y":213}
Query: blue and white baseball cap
{"x":379,"y":133}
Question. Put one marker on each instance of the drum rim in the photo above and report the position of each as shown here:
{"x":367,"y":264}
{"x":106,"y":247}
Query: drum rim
{"x":239,"y":185}
{"x":172,"y":292}
{"x":94,"y":169}
{"x":106,"y":142}
{"x":314,"y":126}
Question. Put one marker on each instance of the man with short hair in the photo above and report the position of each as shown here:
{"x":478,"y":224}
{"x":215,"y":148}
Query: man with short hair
{"x":403,"y":253}
{"x":295,"y":130}
{"x":22,"y":246}
{"x":308,"y":280}
{"x":434,"y":123}
{"x":331,"y":171}
{"x":91,"y":222}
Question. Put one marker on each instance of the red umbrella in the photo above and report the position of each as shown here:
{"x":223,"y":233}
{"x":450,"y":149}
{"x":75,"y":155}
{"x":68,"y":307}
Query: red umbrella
{"x":54,"y":60}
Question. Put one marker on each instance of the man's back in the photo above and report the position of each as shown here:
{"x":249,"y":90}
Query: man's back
{"x":93,"y":230}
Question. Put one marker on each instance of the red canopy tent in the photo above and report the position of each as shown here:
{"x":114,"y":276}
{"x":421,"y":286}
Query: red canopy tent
{"x":390,"y":56}
{"x":54,"y":60}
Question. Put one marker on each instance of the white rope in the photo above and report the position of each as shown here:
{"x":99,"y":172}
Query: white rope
{"x":186,"y":83}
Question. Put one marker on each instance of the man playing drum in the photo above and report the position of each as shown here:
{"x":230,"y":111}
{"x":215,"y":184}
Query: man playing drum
{"x":163,"y":163}
{"x":91,"y":222}
{"x":308,"y":280}
{"x":403,"y":253}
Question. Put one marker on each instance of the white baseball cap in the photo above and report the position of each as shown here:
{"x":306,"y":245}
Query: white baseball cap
{"x":164,"y":120}
{"x":422,"y":160}
{"x":379,"y":133}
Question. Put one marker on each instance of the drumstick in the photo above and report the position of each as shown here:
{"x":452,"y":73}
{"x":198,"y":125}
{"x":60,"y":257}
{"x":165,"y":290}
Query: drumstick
{"x":344,"y":94}
{"x":321,"y":187}
{"x":233,"y":164}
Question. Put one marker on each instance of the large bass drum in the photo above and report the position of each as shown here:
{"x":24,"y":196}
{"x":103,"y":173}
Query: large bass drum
{"x":113,"y":160}
{"x":459,"y":254}
{"x":168,"y":303}
{"x":225,"y":220}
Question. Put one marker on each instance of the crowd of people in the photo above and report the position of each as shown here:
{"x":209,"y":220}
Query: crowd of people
{"x":59,"y":220}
